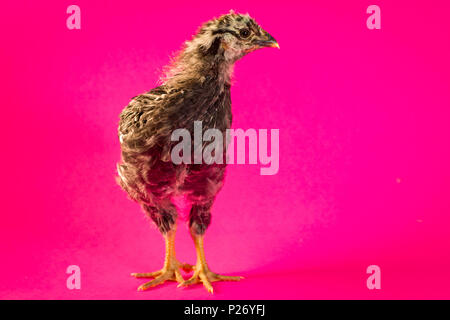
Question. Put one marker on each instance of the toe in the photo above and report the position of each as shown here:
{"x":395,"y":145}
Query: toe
{"x":158,"y":280}
{"x":192,"y":280}
{"x":146,"y":275}
{"x":219,"y":277}
{"x":178,"y":277}
{"x":206,"y":282}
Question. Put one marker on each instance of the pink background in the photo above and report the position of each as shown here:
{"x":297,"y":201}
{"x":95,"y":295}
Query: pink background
{"x":364,"y":151}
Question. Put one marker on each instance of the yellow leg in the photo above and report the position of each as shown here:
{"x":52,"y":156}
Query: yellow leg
{"x":201,"y":269}
{"x":171,"y":268}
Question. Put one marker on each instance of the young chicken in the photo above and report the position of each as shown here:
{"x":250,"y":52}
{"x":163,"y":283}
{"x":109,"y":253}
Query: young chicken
{"x":195,"y":88}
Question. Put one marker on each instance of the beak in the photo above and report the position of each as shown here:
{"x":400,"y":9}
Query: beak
{"x":267,"y":41}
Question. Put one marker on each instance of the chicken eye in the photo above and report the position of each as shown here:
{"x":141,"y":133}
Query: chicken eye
{"x":244,"y":33}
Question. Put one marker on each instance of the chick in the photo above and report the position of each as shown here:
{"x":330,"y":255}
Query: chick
{"x":196,"y":87}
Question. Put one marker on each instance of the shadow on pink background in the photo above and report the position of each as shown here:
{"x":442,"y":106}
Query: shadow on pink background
{"x":364,"y":151}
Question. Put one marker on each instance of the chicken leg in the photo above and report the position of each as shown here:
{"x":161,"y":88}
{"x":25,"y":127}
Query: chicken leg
{"x":202,"y":273}
{"x":171,"y":268}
